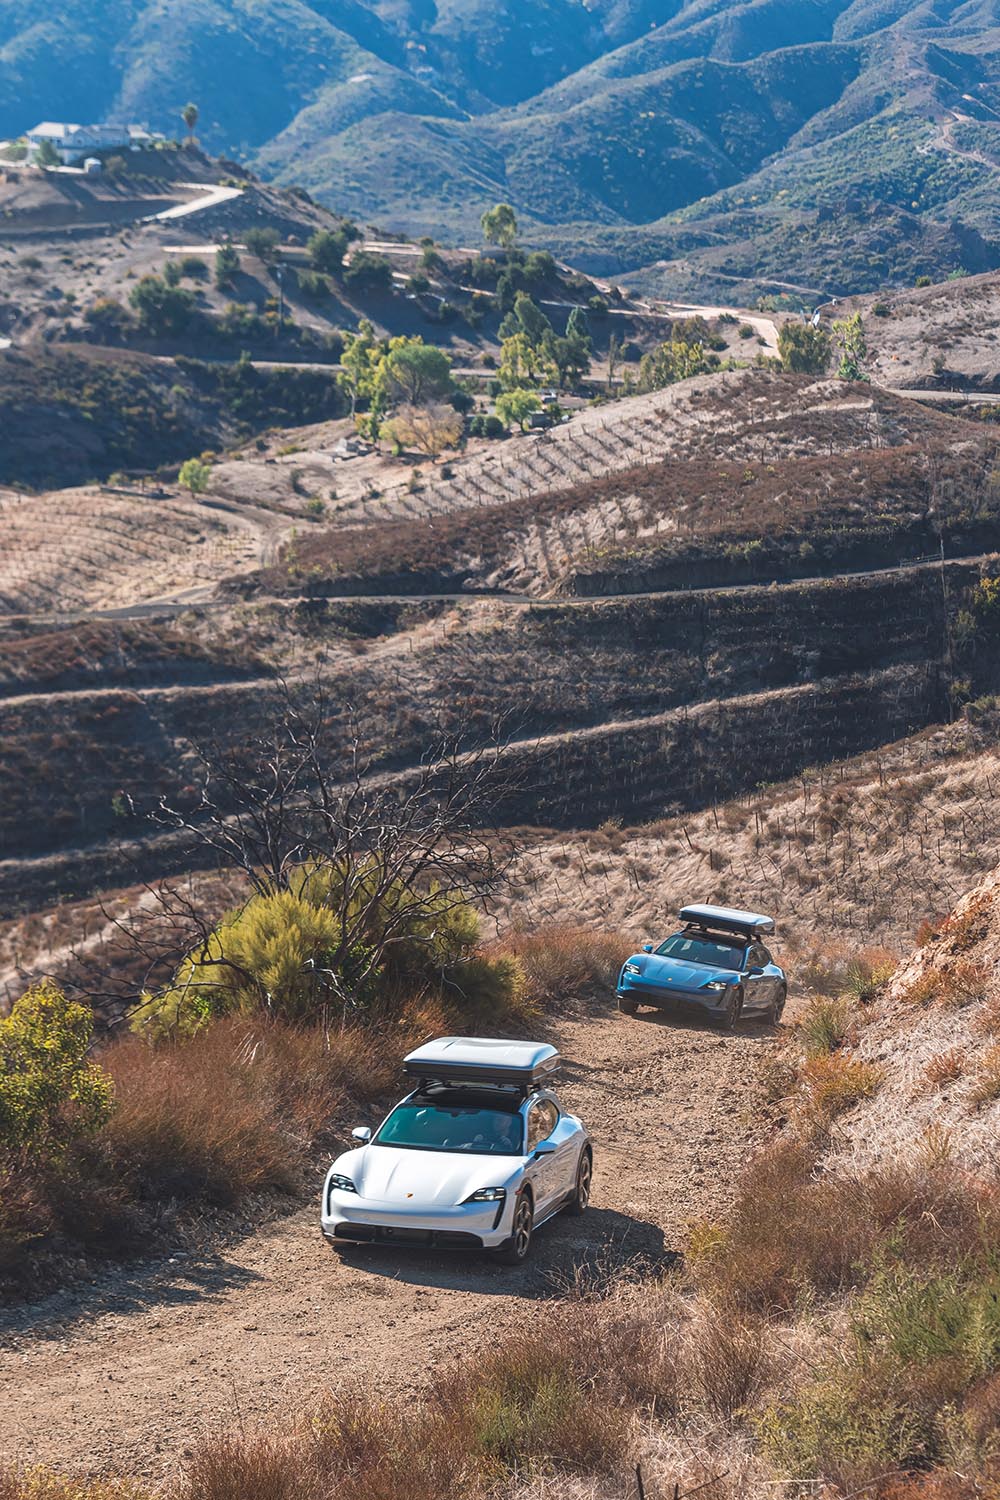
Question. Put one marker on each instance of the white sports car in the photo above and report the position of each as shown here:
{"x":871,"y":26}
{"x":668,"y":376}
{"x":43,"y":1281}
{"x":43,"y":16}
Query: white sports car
{"x":479,"y":1154}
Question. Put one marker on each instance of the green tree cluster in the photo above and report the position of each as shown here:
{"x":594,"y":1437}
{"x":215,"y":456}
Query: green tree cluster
{"x":194,"y":476}
{"x":499,"y":225}
{"x":263,"y":242}
{"x":380,"y":374}
{"x":227,"y":264}
{"x":517,"y":405}
{"x":532,"y":352}
{"x":853,"y":343}
{"x":189,"y":114}
{"x":327,"y":248}
{"x":369,"y":274}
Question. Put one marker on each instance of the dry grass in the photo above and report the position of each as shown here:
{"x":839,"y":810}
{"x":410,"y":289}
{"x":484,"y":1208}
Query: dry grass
{"x":232,"y":1112}
{"x":831,"y":1083}
{"x":793,"y":1231}
{"x":969,"y":926}
{"x":986,"y":1085}
{"x":235,"y":1109}
{"x":566,"y":964}
{"x":682,"y":1373}
{"x":946,"y":1067}
{"x":987,"y":1022}
{"x":958,"y":983}
{"x":825,"y":1025}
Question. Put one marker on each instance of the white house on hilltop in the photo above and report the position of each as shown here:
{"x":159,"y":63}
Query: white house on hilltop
{"x":72,"y":143}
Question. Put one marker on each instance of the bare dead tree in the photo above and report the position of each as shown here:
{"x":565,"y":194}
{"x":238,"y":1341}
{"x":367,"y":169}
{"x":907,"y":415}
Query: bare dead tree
{"x":387,"y":854}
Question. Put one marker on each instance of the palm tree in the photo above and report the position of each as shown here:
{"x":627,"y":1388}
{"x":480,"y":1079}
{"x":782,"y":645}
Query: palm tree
{"x":189,"y":114}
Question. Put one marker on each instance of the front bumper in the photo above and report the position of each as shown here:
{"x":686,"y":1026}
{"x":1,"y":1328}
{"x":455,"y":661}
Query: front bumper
{"x":346,"y":1217}
{"x":665,"y":996}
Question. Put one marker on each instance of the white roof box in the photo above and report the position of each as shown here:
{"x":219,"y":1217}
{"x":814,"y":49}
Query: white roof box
{"x":468,"y":1059}
{"x":722,"y":919}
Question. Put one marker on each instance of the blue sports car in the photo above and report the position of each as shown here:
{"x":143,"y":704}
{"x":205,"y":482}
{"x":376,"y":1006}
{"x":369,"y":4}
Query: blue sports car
{"x":717,"y":962}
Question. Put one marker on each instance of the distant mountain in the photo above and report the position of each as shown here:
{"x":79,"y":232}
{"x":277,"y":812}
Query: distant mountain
{"x":727,"y":146}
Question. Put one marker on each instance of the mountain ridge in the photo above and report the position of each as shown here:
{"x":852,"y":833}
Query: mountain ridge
{"x":627,"y":140}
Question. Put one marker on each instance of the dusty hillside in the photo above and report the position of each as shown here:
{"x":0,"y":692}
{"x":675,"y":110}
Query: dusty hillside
{"x":856,"y":854}
{"x":935,"y":1036}
{"x":863,"y":852}
{"x":938,"y":336}
{"x":100,"y":548}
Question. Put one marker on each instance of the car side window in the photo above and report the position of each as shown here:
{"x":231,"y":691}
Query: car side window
{"x":757,"y":956}
{"x":543,"y":1117}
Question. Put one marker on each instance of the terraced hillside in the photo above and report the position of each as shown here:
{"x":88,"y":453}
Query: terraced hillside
{"x":98,"y":548}
{"x":723,"y":479}
{"x":615,"y":706}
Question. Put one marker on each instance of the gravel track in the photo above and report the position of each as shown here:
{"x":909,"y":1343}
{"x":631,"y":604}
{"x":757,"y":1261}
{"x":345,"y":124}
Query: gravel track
{"x":124,"y":1373}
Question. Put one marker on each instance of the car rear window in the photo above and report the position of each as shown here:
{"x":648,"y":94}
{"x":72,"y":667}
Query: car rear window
{"x":702,"y":950}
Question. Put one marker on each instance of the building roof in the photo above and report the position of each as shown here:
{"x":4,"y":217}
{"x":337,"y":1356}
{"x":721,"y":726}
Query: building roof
{"x":53,"y":129}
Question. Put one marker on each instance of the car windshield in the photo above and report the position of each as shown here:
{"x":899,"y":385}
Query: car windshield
{"x":702,"y":950}
{"x":420,"y":1126}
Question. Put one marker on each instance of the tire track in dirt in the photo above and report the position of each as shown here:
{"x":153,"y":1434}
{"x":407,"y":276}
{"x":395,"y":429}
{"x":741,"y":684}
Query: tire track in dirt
{"x":123,"y":1374}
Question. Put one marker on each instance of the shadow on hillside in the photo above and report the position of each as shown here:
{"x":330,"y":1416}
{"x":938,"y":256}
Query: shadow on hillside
{"x":566,"y":1253}
{"x":136,"y":1289}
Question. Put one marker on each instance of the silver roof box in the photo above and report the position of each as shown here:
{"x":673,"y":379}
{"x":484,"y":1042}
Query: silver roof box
{"x":468,"y":1059}
{"x":723,"y":919}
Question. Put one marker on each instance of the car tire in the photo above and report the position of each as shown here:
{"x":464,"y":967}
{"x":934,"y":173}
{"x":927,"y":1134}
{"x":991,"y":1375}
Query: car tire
{"x":777,"y":1006}
{"x":627,"y":1005}
{"x":515,"y":1251}
{"x":584,"y":1177}
{"x":732,"y":1012}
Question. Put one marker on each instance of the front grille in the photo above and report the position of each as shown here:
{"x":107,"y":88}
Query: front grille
{"x":388,"y":1235}
{"x":668,"y":992}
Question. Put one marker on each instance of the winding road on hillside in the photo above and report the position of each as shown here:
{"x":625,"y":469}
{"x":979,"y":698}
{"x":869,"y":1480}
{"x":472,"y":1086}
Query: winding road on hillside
{"x":125,"y":1373}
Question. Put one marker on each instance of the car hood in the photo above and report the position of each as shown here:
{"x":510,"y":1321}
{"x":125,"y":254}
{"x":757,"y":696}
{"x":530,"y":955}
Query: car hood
{"x":676,"y":971}
{"x":389,"y":1175}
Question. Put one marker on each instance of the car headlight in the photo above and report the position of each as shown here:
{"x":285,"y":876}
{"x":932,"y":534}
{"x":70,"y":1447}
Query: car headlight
{"x":717,"y":984}
{"x":487,"y":1195}
{"x":631,"y":969}
{"x":342,"y":1184}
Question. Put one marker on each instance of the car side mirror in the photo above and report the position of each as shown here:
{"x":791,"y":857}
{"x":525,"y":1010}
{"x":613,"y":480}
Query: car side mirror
{"x":362,"y":1133}
{"x":756,"y":969}
{"x":647,"y":947}
{"x":544,"y":1148}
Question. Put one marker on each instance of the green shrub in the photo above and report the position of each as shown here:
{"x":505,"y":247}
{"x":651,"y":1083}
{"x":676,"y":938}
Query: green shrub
{"x":194,"y":475}
{"x":919,"y":1343}
{"x":866,"y":973}
{"x":50,"y":1093}
{"x":298,"y":951}
{"x":824,"y":1025}
{"x":314,"y":286}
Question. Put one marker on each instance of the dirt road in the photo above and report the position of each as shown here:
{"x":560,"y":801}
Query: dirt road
{"x":125,"y":1373}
